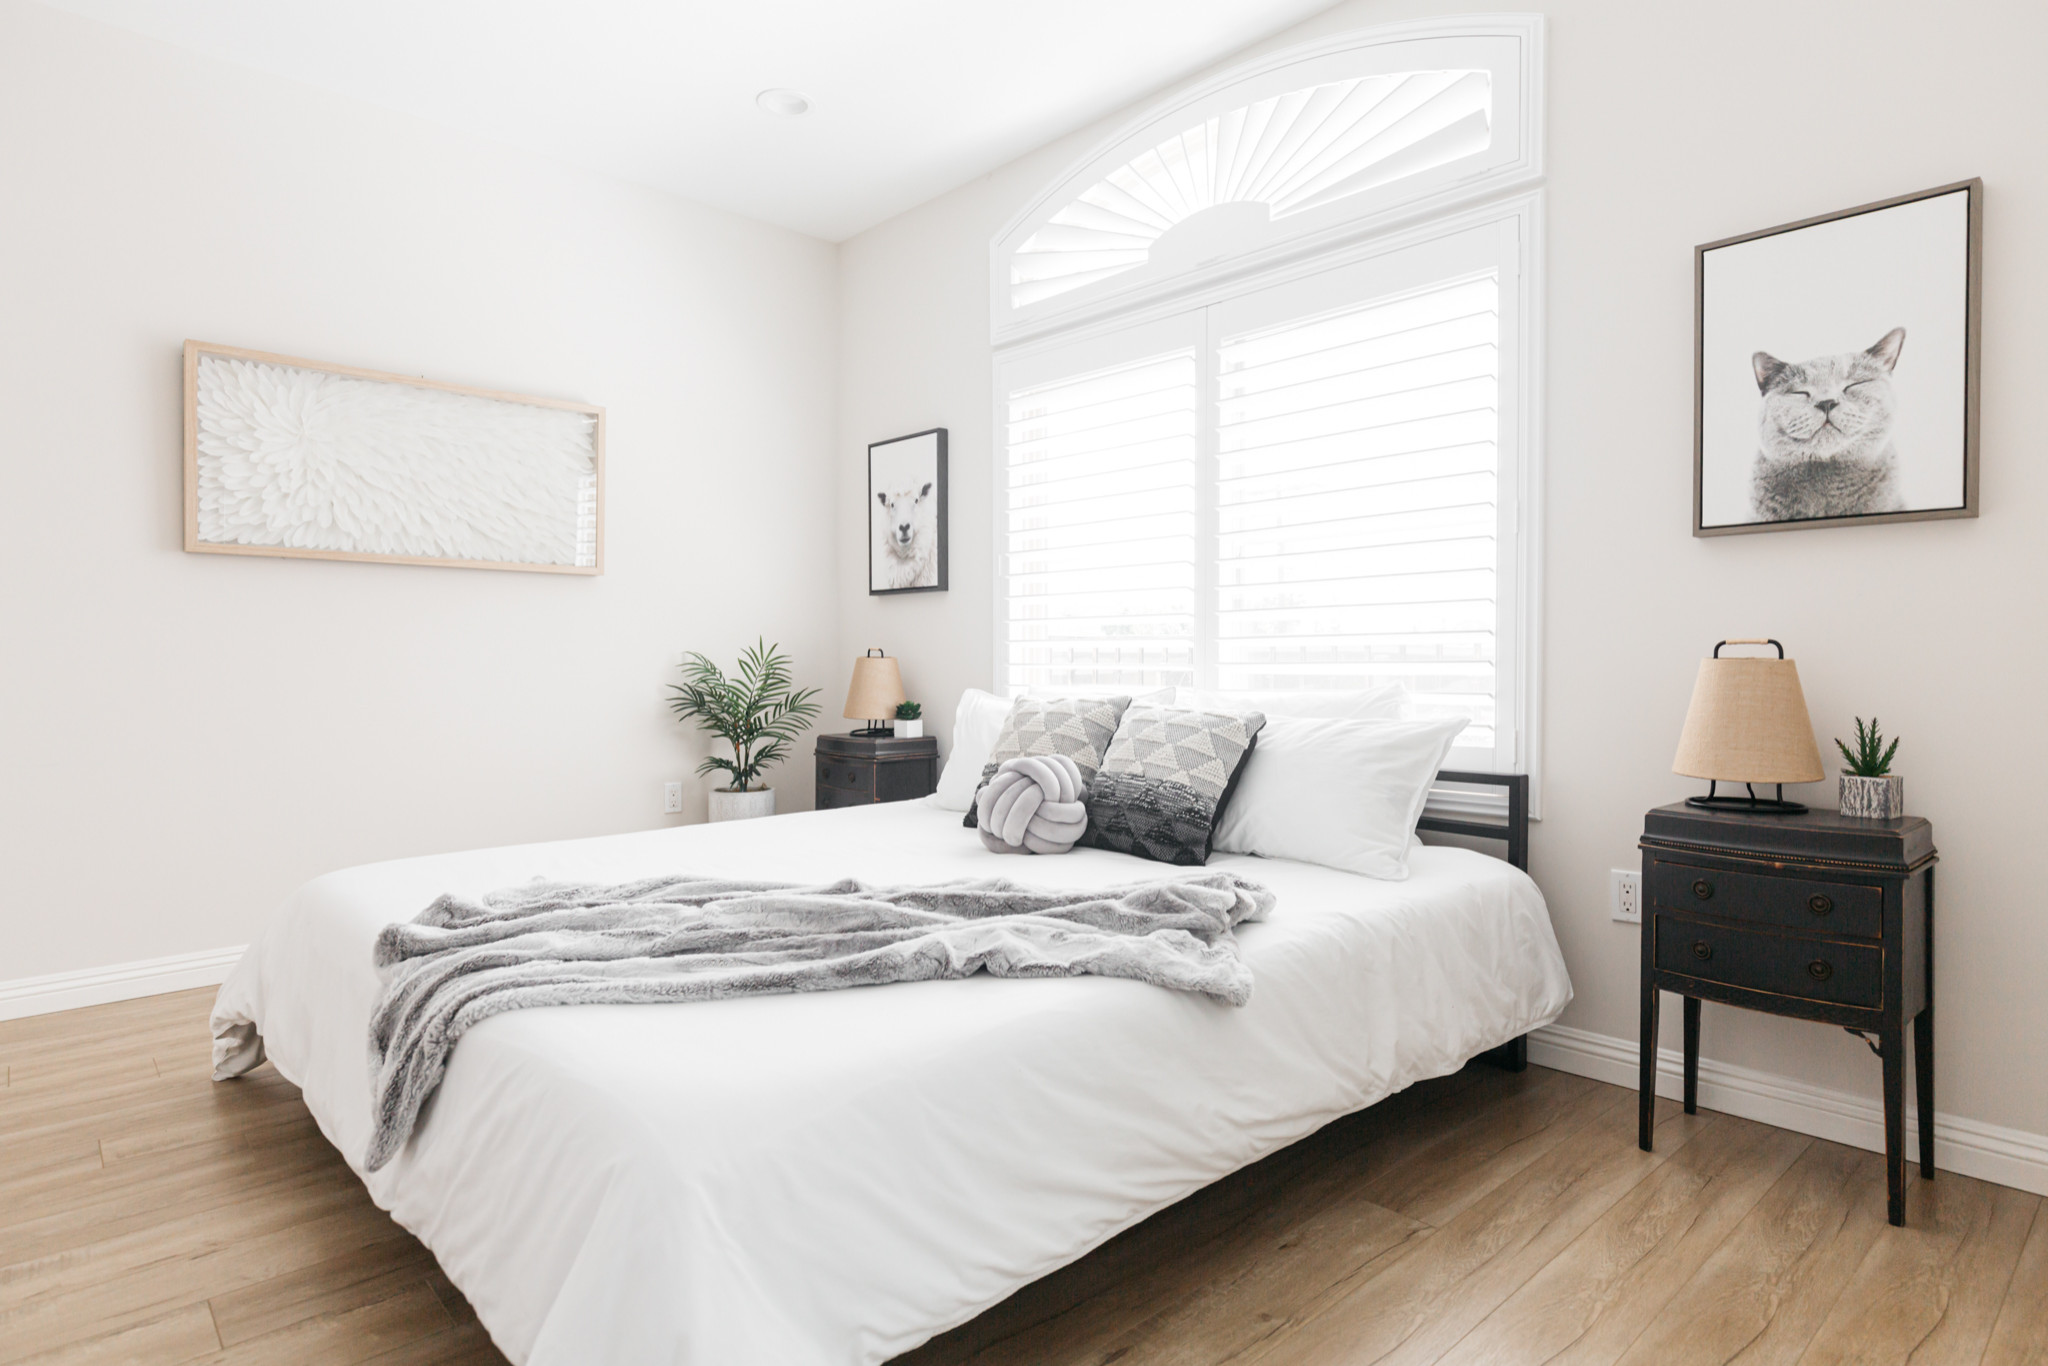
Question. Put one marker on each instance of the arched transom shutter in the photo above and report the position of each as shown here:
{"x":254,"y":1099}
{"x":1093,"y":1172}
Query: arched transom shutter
{"x":1288,"y":153}
{"x":1307,"y":147}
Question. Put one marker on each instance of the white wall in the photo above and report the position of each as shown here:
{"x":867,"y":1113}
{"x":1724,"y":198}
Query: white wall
{"x":1669,"y":125}
{"x":184,"y":738}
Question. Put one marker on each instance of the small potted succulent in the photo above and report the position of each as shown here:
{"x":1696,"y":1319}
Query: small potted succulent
{"x":758,"y":711}
{"x":909,"y":720}
{"x":1869,"y":788}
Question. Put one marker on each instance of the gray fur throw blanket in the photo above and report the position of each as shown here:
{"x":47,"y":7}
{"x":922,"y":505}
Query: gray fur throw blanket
{"x":685,"y":938}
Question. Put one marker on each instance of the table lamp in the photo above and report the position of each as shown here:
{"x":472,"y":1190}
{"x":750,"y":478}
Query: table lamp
{"x":1748,"y":724}
{"x":877,"y":688}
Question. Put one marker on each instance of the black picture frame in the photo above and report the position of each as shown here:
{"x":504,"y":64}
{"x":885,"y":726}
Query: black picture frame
{"x":930,"y":568}
{"x":1973,"y":294}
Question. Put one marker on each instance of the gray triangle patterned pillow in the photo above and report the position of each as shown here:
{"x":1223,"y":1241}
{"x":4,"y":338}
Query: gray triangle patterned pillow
{"x":1078,"y":727}
{"x":1166,"y":779}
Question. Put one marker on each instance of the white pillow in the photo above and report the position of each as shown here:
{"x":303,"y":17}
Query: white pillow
{"x":1387,"y":702}
{"x":976,"y":722}
{"x":1345,"y":794}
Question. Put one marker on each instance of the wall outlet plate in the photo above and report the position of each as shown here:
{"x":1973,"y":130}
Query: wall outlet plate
{"x":1625,"y":895}
{"x":671,"y":798}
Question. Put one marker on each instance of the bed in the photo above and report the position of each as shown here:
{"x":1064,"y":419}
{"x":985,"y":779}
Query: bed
{"x":833,"y":1178}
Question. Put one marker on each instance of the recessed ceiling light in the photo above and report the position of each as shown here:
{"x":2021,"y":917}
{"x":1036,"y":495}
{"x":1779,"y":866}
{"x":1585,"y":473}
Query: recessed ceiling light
{"x":786,"y":104}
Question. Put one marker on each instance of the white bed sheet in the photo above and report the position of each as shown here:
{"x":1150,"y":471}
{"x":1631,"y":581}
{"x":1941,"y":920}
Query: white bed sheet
{"x":835,"y":1177}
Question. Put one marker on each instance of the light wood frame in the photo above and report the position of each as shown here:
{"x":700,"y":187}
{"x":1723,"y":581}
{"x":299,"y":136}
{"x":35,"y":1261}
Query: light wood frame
{"x":1972,"y":363}
{"x":195,"y":349}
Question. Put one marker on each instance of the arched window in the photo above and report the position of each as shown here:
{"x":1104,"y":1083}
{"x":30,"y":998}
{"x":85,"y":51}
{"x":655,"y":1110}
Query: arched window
{"x":1266,"y":412}
{"x":1265,"y":161}
{"x":1306,"y":146}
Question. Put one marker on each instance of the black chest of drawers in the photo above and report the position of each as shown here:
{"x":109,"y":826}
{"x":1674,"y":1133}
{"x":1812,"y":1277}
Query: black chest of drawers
{"x":1814,"y":916}
{"x":858,"y":770}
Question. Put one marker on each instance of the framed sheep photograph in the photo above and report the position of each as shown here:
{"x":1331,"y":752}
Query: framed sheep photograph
{"x":1835,"y":367}
{"x":907,"y":514}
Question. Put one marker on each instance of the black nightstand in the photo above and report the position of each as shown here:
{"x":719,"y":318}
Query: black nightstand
{"x":858,"y":770}
{"x":1816,"y":916}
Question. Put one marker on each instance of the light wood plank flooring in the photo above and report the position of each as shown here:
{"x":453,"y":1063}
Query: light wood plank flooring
{"x":147,"y":1215}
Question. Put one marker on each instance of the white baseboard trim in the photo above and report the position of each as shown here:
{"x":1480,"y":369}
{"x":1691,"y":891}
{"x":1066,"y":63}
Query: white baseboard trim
{"x":26,"y":996}
{"x":2010,"y":1157}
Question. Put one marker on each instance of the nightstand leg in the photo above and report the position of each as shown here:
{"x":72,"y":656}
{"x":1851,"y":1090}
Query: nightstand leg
{"x":1923,"y":1078}
{"x":1923,"y":1046}
{"x":1692,"y":1055}
{"x":1894,"y":1045}
{"x":1647,"y":1103}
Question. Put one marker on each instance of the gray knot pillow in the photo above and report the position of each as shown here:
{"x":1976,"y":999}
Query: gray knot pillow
{"x":1035,"y":804}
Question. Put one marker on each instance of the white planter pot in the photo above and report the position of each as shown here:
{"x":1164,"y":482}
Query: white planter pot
{"x":728,"y":805}
{"x":909,"y":730}
{"x":1880,"y":799}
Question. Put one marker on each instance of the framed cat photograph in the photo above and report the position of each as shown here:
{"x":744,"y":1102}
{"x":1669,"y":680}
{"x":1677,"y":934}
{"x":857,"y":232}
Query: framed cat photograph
{"x":1835,"y":367}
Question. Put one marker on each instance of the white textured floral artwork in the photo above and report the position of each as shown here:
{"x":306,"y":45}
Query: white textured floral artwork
{"x":289,"y":458}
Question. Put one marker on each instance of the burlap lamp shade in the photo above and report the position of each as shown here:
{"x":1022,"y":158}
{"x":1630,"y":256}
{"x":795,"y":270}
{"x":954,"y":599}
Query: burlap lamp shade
{"x":877,"y":688}
{"x":1748,"y":724}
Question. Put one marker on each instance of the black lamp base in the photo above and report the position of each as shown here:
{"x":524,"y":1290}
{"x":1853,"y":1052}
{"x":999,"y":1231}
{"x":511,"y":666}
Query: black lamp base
{"x":871,"y":732}
{"x":1764,"y":806}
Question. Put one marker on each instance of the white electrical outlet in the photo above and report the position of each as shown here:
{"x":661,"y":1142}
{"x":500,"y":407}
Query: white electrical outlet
{"x":1625,"y":894}
{"x":671,"y":798}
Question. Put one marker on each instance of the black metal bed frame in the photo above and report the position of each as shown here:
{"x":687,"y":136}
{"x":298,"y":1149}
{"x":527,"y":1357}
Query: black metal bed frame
{"x":1514,"y":1054}
{"x":1515,"y":832}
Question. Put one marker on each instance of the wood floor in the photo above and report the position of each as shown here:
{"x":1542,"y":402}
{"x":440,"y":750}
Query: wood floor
{"x":147,"y":1215}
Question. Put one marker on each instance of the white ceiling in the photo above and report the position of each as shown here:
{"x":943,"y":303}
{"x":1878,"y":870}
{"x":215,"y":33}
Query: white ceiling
{"x":912,"y":97}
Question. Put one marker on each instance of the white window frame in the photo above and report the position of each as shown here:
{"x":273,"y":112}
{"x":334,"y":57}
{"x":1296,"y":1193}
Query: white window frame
{"x":1024,"y":347}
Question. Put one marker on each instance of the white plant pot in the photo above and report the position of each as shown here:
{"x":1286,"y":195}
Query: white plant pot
{"x":1880,"y":799}
{"x":909,"y":730}
{"x":728,"y":805}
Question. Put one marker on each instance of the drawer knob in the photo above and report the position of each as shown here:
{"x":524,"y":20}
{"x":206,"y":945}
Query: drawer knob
{"x":1820,"y":904}
{"x":1702,"y":889}
{"x":1819,"y":970}
{"x":1702,"y":950}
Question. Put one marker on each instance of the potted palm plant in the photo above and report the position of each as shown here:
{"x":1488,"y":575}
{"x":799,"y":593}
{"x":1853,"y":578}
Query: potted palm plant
{"x":1868,"y":786}
{"x":758,"y":712}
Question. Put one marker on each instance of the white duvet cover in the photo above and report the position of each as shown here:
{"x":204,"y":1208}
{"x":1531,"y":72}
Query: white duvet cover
{"x":835,"y":1177}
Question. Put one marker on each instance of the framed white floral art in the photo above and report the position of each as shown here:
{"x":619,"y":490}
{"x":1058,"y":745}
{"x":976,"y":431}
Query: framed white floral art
{"x":296,"y":458}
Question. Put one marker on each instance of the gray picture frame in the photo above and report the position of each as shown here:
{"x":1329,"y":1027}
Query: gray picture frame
{"x":931,"y":462}
{"x":1972,"y":348}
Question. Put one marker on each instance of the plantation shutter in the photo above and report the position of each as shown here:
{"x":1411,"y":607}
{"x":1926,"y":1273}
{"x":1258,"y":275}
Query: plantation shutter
{"x":1306,"y":486}
{"x":1357,"y":501}
{"x":1099,"y":534}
